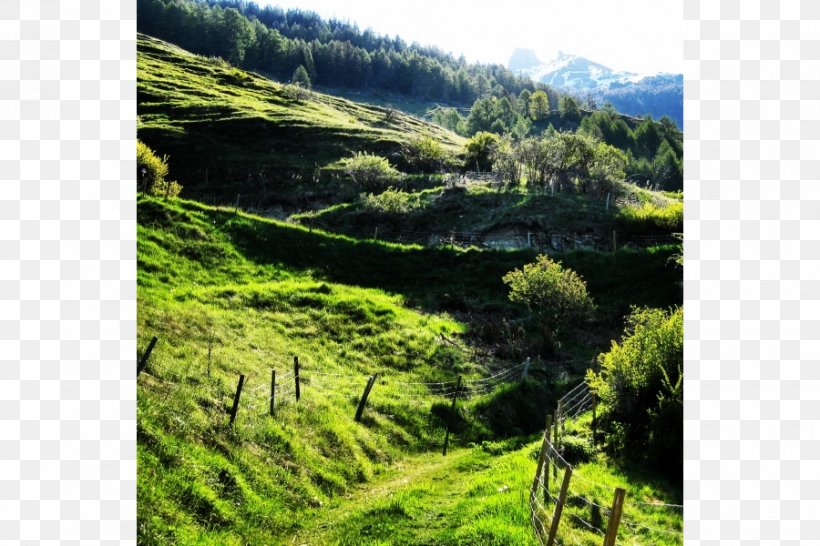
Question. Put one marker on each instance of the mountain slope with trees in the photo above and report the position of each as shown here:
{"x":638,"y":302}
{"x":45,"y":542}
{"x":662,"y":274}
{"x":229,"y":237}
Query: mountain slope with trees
{"x":231,"y":132}
{"x":334,"y":53}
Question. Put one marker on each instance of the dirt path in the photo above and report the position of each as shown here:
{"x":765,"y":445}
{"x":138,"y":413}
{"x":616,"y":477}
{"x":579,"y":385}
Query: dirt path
{"x":347,"y":519}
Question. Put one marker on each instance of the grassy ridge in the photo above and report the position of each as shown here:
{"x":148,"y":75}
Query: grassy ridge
{"x":479,"y":209}
{"x":250,"y":137}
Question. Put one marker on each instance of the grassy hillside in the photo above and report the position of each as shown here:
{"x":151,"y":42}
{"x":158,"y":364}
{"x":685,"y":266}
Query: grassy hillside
{"x":636,"y":214}
{"x":228,"y":131}
{"x":231,"y":294}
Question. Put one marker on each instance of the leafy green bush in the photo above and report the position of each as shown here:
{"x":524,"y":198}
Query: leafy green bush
{"x":152,"y":172}
{"x":557,"y":297}
{"x":640,"y":389}
{"x":369,"y":170}
{"x":478,"y":149}
{"x":424,"y":154}
{"x":392,"y":201}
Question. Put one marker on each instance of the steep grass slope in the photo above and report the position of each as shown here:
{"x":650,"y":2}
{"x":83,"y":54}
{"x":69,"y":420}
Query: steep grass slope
{"x":228,"y":131}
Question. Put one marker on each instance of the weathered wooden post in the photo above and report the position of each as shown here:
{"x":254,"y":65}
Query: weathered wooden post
{"x":145,"y":355}
{"x":542,"y":455}
{"x":607,"y":202}
{"x":272,"y":390}
{"x":236,"y":398}
{"x":452,"y":412}
{"x":559,"y":506}
{"x":370,"y":382}
{"x":296,"y":375}
{"x":615,"y":517}
{"x":594,"y":418}
{"x":547,"y":469}
{"x":555,"y":442}
{"x":563,"y":420}
{"x":376,"y":234}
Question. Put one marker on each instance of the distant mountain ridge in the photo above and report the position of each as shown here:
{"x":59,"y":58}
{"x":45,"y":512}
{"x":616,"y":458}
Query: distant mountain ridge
{"x":630,"y":93}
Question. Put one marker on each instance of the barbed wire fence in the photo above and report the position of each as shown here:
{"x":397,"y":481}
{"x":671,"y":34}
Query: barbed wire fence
{"x":590,"y":516}
{"x":256,"y":397}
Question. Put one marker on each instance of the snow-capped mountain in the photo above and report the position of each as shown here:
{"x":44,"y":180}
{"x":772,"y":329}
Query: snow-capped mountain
{"x":629,"y":92}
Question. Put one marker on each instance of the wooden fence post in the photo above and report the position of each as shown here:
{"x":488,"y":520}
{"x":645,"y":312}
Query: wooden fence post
{"x":272,"y":390}
{"x":563,"y":420}
{"x":559,"y":506}
{"x":296,"y":376}
{"x":452,"y":411}
{"x":541,"y":456}
{"x":547,"y":469}
{"x":146,"y":354}
{"x":536,"y":520}
{"x":370,"y":381}
{"x":236,"y":398}
{"x":615,"y":517}
{"x":555,"y":443}
{"x":594,"y":418}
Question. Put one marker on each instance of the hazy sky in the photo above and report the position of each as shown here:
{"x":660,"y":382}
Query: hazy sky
{"x":633,"y":35}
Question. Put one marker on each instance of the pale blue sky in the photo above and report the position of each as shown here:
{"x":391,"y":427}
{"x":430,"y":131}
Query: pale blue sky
{"x":634,"y":35}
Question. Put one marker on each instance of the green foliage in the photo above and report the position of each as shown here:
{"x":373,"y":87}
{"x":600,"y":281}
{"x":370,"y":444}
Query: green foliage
{"x":556,"y":296}
{"x":539,"y":105}
{"x":506,"y":161}
{"x":648,"y":138}
{"x":649,"y":218}
{"x":424,"y":154}
{"x":478,"y":151}
{"x":369,"y":170}
{"x":301,"y":77}
{"x":449,"y":118}
{"x":568,"y":109}
{"x":568,"y":156}
{"x":392,"y":201}
{"x":152,"y":172}
{"x":640,"y":389}
{"x":607,"y":168}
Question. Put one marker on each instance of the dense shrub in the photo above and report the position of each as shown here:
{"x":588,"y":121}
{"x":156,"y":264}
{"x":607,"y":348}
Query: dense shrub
{"x":152,"y":171}
{"x":556,"y":296}
{"x":426,"y":155}
{"x":640,"y":390}
{"x":392,"y":201}
{"x":369,"y":171}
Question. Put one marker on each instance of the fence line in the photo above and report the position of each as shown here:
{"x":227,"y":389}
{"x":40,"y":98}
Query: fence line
{"x":552,"y":461}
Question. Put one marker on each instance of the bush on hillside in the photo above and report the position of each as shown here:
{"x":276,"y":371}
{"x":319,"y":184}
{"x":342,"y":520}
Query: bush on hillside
{"x":371,"y":172}
{"x":478,"y":151}
{"x":152,"y":171}
{"x":640,"y":390}
{"x":556,"y":296}
{"x":392,"y":201}
{"x":424,"y":154}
